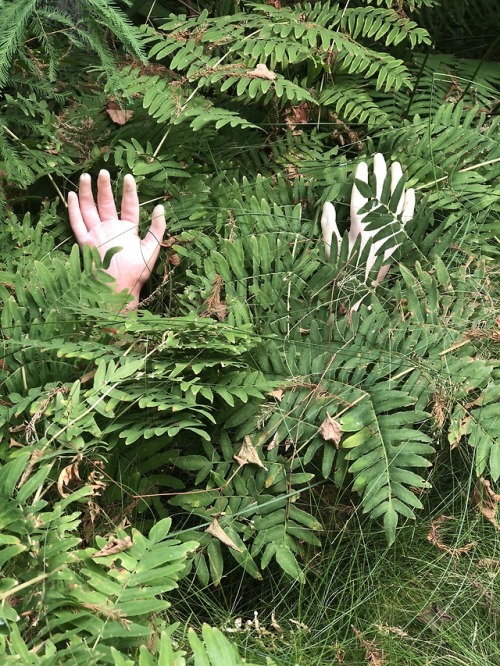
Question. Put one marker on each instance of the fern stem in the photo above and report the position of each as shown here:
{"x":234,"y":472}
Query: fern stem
{"x":470,"y":168}
{"x":28,"y":583}
{"x":56,"y":187}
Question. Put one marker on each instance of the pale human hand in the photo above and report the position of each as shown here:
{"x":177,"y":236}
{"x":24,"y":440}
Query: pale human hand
{"x":404,"y":212}
{"x":100,"y":227}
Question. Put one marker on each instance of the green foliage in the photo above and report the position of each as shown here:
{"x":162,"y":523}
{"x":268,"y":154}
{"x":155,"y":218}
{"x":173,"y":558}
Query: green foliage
{"x":263,"y":371}
{"x":88,"y":604}
{"x":39,"y":39}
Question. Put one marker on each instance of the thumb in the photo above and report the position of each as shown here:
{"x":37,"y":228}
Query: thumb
{"x":154,"y":237}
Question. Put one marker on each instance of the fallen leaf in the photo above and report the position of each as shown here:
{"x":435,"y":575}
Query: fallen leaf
{"x":435,"y":538}
{"x":262,"y":72}
{"x":114,"y":546}
{"x":248,"y":454}
{"x":373,"y":653}
{"x":330,"y":430}
{"x":117,"y":115}
{"x":216,"y":531}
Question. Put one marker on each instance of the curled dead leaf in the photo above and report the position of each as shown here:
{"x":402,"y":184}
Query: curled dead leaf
{"x":114,"y":546}
{"x":435,"y":538}
{"x":216,"y":531}
{"x":261,"y":72}
{"x":248,"y":454}
{"x":330,"y":430}
{"x":69,"y":473}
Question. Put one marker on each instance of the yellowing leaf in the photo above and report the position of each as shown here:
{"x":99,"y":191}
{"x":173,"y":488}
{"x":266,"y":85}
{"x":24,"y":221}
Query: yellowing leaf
{"x":216,"y":531}
{"x":248,"y":454}
{"x":330,"y":430}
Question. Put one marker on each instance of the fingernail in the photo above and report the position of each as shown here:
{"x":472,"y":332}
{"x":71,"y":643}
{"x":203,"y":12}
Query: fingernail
{"x":84,"y":177}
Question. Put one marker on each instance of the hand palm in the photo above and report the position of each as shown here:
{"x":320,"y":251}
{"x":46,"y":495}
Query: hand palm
{"x":100,"y":227}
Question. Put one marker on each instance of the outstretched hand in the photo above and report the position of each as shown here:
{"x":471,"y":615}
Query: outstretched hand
{"x":99,"y":226}
{"x":405,"y":209}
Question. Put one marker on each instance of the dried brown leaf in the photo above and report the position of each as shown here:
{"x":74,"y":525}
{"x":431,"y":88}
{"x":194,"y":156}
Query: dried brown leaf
{"x":387,"y":630}
{"x":96,"y":478}
{"x":300,"y":625}
{"x":115,"y":546}
{"x":275,"y":625}
{"x":174,"y":260}
{"x":487,"y":484}
{"x":261,"y":72}
{"x":216,"y":531}
{"x":247,"y":455}
{"x":273,"y":443}
{"x":115,"y":614}
{"x":117,"y":115}
{"x":373,"y":653}
{"x":330,"y":430}
{"x":488,"y":563}
{"x":34,"y":458}
{"x":69,"y":473}
{"x":487,"y":501}
{"x":169,"y":241}
{"x":435,"y":538}
{"x":297,"y":115}
{"x":215,"y":306}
